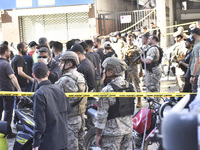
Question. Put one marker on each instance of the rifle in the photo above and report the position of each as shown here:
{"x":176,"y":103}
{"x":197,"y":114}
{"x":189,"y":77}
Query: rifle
{"x":169,"y":64}
{"x":137,"y":58}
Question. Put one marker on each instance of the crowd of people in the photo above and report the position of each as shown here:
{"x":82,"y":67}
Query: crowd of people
{"x":99,"y":64}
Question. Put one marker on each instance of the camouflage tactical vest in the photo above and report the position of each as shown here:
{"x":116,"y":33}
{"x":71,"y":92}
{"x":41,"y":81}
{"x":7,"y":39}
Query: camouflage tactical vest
{"x":80,"y":107}
{"x":131,"y":54}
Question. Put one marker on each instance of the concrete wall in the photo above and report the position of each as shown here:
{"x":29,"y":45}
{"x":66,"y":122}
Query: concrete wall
{"x":108,"y":6}
{"x":10,"y":27}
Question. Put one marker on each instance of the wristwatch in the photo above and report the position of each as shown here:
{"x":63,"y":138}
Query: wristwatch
{"x":192,"y":75}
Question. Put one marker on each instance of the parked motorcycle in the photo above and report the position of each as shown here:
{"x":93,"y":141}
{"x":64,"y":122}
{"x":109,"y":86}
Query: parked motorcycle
{"x":149,"y":118}
{"x":24,"y":125}
{"x":89,"y":141}
{"x":139,"y":120}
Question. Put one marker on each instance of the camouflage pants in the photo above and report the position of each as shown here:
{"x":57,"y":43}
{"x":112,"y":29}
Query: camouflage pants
{"x":152,"y":80}
{"x":132,"y":76}
{"x":124,"y":142}
{"x":76,"y":133}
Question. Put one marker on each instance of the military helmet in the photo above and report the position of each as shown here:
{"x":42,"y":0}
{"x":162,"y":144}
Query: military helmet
{"x":117,"y":65}
{"x":69,"y":55}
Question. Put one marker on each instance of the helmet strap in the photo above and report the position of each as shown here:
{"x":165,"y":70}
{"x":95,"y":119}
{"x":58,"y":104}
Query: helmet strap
{"x":63,"y":70}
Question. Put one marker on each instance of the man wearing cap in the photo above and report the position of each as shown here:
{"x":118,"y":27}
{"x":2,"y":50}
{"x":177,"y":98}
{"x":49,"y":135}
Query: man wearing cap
{"x":195,"y":59}
{"x":74,"y":81}
{"x":50,"y":109}
{"x":184,"y":64}
{"x":180,"y":50}
{"x":109,"y":51}
{"x":85,"y":67}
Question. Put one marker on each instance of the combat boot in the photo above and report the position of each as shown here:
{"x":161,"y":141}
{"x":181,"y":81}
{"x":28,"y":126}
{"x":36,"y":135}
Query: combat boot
{"x":139,"y":103}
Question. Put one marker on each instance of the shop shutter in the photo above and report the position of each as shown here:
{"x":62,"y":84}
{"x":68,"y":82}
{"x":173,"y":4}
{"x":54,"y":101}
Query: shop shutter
{"x":57,"y":27}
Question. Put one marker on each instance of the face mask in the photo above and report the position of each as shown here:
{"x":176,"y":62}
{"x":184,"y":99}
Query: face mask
{"x":45,"y":59}
{"x":114,"y":39}
{"x":191,"y":38}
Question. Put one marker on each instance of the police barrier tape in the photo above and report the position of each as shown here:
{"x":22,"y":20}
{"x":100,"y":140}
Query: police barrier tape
{"x":173,"y":26}
{"x":102,"y":94}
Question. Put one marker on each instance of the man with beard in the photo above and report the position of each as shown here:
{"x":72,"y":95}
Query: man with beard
{"x":195,"y":60}
{"x":7,"y":80}
{"x":153,"y":60}
{"x":19,"y":66}
{"x":184,"y":65}
{"x":97,"y":45}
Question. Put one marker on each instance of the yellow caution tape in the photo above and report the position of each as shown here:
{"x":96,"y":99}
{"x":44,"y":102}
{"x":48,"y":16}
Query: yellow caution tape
{"x":103,"y":94}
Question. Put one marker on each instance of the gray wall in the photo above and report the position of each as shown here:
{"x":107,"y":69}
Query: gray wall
{"x":108,"y":6}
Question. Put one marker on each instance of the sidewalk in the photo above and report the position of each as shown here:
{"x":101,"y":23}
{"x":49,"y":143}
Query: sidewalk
{"x":167,"y":85}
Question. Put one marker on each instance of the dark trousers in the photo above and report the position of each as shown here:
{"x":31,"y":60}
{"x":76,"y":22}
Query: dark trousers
{"x":6,"y":104}
{"x":188,"y":86}
{"x":194,"y":85}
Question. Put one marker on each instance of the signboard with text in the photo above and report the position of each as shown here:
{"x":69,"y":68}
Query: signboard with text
{"x":125,"y":19}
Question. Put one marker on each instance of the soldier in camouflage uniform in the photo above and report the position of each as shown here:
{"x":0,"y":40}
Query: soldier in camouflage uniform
{"x":114,"y":124}
{"x":73,"y":81}
{"x":153,"y":77}
{"x":132,"y":71}
{"x":118,"y":44}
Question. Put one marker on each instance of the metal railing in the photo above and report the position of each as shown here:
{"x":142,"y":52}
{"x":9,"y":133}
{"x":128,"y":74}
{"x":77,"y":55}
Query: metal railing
{"x":110,"y":22}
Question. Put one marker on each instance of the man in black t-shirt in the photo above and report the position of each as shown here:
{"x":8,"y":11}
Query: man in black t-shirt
{"x":85,"y":67}
{"x":29,"y":64}
{"x":97,"y":45}
{"x":85,"y":46}
{"x":19,"y":66}
{"x":7,"y":80}
{"x":97,"y":65}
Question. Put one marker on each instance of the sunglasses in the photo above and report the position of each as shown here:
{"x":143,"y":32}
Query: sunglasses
{"x":42,"y":57}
